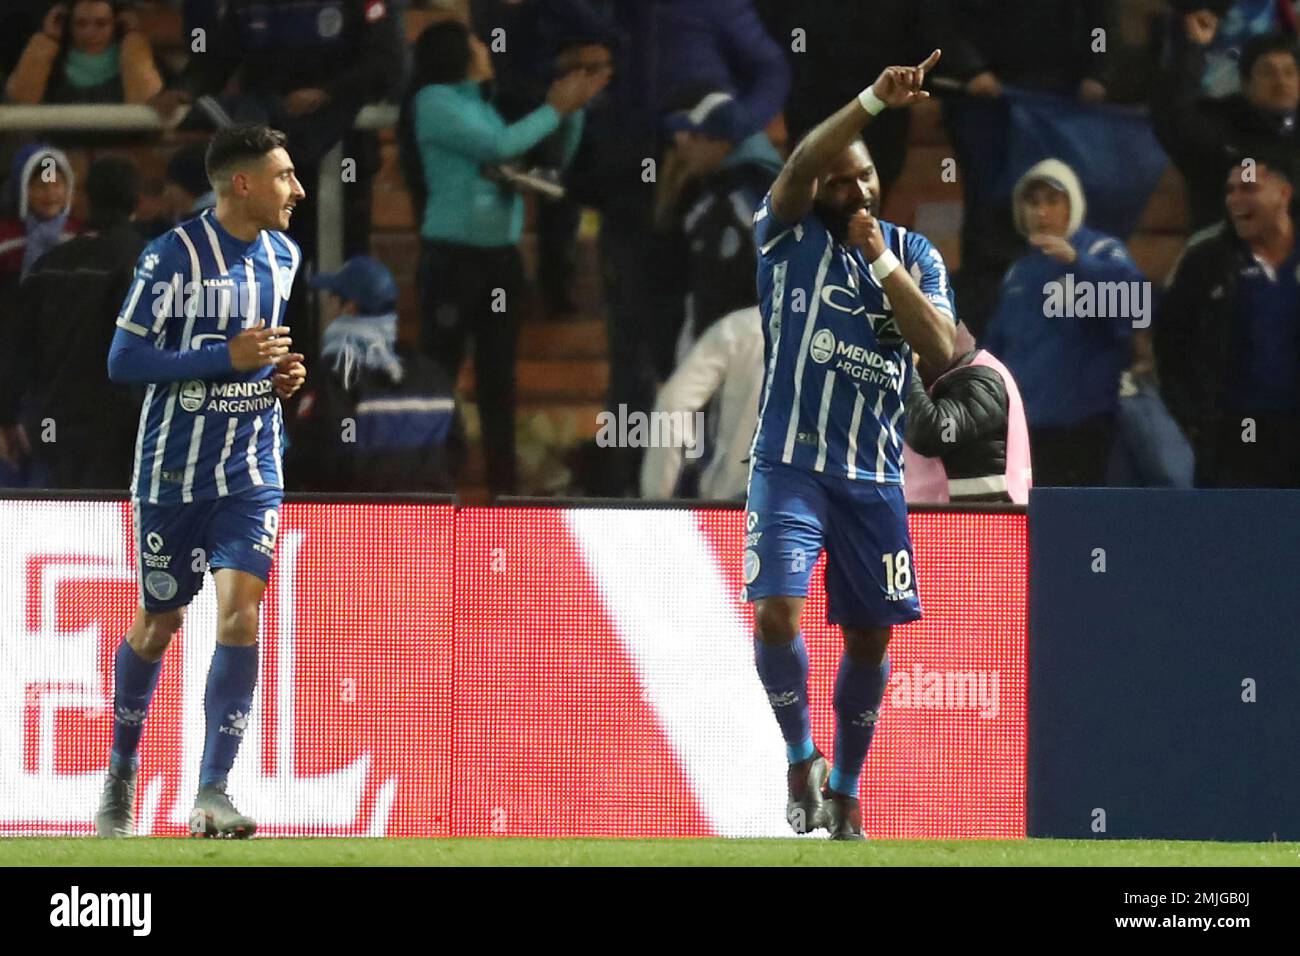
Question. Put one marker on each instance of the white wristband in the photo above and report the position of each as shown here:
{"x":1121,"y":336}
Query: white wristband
{"x":872,"y":103}
{"x":886,"y":263}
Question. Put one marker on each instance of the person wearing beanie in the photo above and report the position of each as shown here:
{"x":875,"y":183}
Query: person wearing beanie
{"x":1062,"y":326}
{"x":715,"y":175}
{"x":383,"y":417}
{"x":60,"y":416}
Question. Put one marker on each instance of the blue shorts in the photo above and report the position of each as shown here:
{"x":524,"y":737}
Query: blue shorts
{"x":793,"y":513}
{"x":179,"y":543}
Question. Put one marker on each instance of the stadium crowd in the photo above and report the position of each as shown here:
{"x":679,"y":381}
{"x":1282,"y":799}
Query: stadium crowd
{"x":670,"y":119}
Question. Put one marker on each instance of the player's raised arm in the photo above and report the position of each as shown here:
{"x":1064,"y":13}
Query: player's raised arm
{"x":928,"y":328}
{"x":795,"y":187}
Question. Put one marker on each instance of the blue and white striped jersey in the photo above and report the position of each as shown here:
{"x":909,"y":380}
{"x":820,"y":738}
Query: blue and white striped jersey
{"x":836,"y":366}
{"x":195,"y":287}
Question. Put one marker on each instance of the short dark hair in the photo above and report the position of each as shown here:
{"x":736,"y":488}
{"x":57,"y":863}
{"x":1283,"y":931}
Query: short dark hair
{"x":1263,"y":45}
{"x":185,"y":168}
{"x":237,"y":144}
{"x":1272,"y":158}
{"x":113,"y":190}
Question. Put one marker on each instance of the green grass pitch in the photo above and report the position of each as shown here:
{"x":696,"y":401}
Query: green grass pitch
{"x":80,"y":852}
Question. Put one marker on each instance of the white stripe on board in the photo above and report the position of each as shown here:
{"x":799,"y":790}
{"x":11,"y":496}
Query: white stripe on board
{"x":695,"y":669}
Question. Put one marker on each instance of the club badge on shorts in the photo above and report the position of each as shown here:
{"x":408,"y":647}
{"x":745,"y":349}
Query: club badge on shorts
{"x":161,"y":585}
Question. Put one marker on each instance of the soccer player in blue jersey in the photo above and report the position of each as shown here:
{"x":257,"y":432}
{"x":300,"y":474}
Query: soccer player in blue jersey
{"x":202,"y":328}
{"x":845,"y":300}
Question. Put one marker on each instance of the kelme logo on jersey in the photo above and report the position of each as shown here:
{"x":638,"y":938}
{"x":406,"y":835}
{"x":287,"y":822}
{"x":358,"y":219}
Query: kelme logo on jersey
{"x":823,"y":347}
{"x":192,"y":395}
{"x":161,"y":585}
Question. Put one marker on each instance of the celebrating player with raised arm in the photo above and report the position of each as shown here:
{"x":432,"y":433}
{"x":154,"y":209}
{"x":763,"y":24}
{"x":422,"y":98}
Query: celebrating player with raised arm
{"x":202,"y":327}
{"x":845,"y":299}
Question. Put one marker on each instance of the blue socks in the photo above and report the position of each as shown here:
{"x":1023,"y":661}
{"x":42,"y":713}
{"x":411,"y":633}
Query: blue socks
{"x":858,"y":691}
{"x":228,"y":699}
{"x":783,"y":671}
{"x":134,"y":680}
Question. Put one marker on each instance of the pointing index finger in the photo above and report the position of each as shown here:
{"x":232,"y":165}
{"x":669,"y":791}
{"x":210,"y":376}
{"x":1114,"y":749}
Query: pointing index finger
{"x":928,"y":64}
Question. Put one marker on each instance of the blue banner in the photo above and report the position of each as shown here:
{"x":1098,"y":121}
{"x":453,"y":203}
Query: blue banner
{"x":1163,"y":665}
{"x":1111,"y":148}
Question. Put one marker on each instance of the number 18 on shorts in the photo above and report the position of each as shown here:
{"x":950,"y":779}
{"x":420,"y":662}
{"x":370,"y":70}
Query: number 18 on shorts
{"x":792,"y":514}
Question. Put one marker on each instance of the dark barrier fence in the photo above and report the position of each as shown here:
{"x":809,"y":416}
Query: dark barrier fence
{"x":1164,"y":664}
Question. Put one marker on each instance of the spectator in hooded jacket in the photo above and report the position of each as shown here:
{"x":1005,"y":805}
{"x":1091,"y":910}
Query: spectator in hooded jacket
{"x":56,"y":403}
{"x":382,"y":417}
{"x":91,"y":51}
{"x":41,"y":189}
{"x":42,"y":182}
{"x":1042,"y":45}
{"x":1203,"y":136}
{"x":1062,"y":329}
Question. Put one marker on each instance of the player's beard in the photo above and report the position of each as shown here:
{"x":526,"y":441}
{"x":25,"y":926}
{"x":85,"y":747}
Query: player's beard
{"x":837,"y":222}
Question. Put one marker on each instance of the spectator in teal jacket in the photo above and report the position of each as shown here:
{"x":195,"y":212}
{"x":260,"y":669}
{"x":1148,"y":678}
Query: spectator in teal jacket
{"x":471,"y":277}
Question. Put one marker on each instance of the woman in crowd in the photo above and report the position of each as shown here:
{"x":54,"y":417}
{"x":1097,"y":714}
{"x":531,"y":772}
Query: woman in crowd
{"x":90,"y":52}
{"x":471,"y":276}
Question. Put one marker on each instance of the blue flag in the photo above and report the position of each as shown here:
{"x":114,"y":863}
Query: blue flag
{"x":1111,"y":148}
